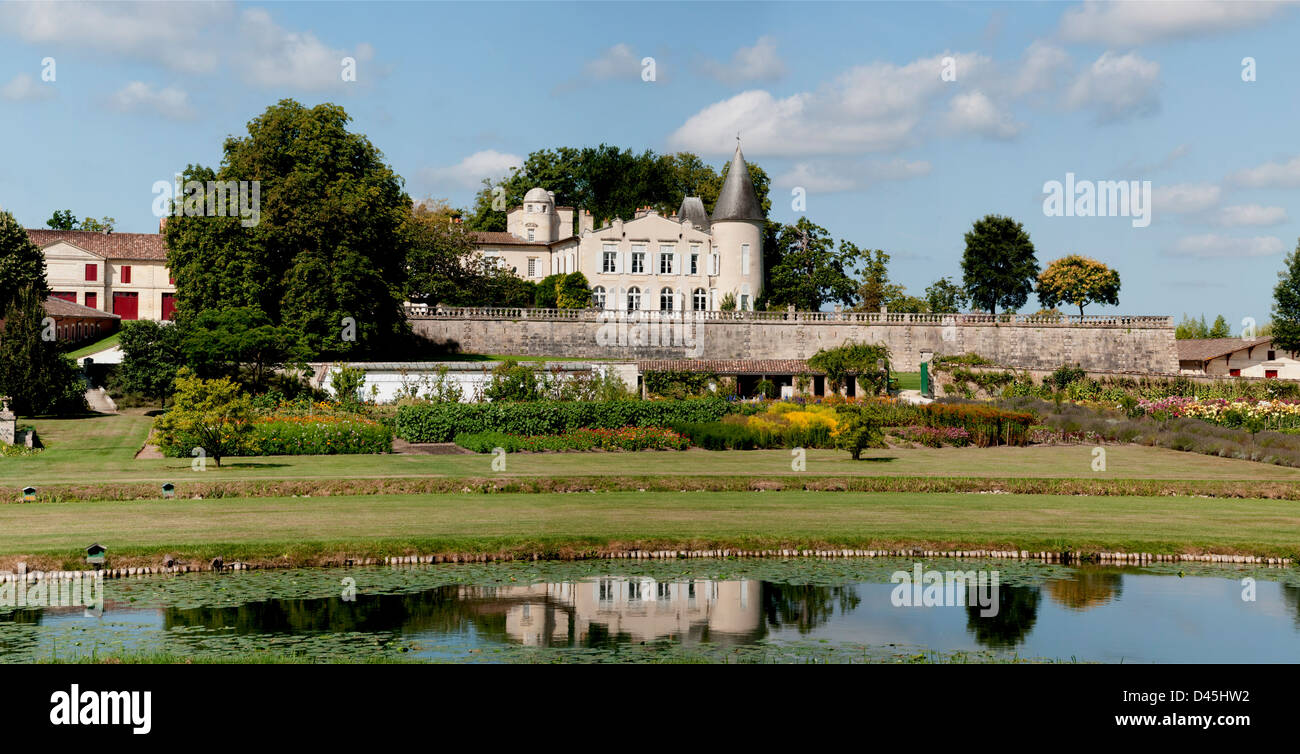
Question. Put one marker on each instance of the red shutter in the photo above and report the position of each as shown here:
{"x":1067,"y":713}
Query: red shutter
{"x":92,"y":272}
{"x":1270,"y":373}
{"x":64,"y":295}
{"x":92,"y":300}
{"x":168,"y":305}
{"x":1234,"y":372}
{"x":126,"y":273}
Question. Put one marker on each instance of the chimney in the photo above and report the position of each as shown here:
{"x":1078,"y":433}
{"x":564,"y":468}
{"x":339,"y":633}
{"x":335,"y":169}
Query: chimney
{"x":586,"y":223}
{"x":162,"y":225}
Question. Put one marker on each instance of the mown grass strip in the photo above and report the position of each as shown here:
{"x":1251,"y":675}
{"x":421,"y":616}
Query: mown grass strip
{"x":1269,"y":490}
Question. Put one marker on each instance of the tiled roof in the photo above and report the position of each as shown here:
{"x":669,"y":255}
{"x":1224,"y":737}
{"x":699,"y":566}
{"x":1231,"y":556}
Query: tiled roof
{"x":148,"y":246}
{"x":503,"y":238}
{"x":728,"y":366}
{"x":1204,"y":349}
{"x":57,"y":307}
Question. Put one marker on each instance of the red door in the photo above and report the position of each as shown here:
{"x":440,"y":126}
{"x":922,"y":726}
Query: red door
{"x":65,"y":295}
{"x":126,"y":305}
{"x":168,"y":305}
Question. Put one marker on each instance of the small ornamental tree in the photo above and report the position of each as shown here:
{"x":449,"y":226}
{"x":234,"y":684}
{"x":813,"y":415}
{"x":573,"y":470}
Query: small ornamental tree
{"x":856,"y":430}
{"x":214,"y":414}
{"x":999,"y":266}
{"x":1078,"y":281}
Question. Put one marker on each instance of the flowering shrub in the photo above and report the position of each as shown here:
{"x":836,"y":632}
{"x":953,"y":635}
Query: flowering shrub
{"x":1247,"y":413}
{"x":936,"y":437}
{"x":624,"y":438}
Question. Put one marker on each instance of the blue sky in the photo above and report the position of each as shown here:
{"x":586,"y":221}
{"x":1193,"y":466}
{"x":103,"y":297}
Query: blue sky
{"x":845,"y":100}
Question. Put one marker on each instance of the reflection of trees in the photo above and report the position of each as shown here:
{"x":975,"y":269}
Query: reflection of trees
{"x":1087,"y":589}
{"x":1291,"y":596}
{"x":805,"y":606}
{"x":1017,"y":614}
{"x":439,"y":609}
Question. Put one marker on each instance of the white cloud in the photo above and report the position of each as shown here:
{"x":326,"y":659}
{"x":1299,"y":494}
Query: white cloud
{"x":25,"y":88}
{"x":277,"y":57}
{"x":1270,"y":175}
{"x":139,"y":97}
{"x":974,"y":112}
{"x":1214,"y":246}
{"x":758,"y":63}
{"x":867,"y":108}
{"x":1117,"y":87}
{"x":1133,"y":23}
{"x":1146,"y":168}
{"x":1250,"y":214}
{"x":827,"y":176}
{"x":1039,"y":68}
{"x":470,"y":172}
{"x":1183,"y":198}
{"x":191,"y":38}
{"x":176,"y":35}
{"x":617,"y":62}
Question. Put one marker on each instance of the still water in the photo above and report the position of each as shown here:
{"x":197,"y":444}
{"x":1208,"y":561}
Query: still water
{"x":682,"y":611}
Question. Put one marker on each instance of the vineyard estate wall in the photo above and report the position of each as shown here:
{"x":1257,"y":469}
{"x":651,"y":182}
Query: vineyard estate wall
{"x":1125,"y":344}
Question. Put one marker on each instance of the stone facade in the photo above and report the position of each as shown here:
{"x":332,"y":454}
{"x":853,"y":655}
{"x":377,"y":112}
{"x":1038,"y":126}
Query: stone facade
{"x":1128,"y":344}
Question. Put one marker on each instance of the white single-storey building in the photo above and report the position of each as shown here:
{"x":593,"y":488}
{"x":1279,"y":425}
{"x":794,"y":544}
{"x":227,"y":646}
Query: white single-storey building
{"x":1236,"y":357}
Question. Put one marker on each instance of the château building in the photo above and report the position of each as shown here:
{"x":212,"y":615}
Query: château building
{"x":683,"y":262}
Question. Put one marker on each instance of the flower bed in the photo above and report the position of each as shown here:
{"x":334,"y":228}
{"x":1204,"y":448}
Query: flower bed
{"x":625,"y":438}
{"x":936,"y":437}
{"x":276,"y":435}
{"x":441,"y":422}
{"x":1247,"y":413}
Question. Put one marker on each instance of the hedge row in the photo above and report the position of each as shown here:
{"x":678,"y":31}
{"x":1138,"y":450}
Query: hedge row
{"x":441,"y":422}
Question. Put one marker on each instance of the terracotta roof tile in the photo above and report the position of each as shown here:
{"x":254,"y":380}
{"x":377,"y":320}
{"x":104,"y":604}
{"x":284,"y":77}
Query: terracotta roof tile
{"x":57,"y":307}
{"x":145,"y":246}
{"x":1204,"y":349}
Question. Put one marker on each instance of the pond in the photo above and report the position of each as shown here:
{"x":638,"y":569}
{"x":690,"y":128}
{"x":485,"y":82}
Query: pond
{"x":798,"y":610}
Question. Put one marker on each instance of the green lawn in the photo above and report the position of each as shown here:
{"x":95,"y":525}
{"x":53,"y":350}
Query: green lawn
{"x":102,"y":449}
{"x":96,"y":347}
{"x":291,"y":529}
{"x":908,"y":380}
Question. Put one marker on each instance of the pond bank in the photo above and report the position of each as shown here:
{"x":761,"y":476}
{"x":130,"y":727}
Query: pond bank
{"x":1065,"y":557}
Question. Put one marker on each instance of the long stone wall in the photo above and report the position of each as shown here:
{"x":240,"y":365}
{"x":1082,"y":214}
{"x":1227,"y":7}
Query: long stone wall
{"x":1129,"y":344}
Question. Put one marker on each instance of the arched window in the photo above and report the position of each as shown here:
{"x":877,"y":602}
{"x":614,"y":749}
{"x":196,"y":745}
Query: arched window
{"x":666,"y":297}
{"x":633,"y":298}
{"x":701,"y":299}
{"x":598,"y":296}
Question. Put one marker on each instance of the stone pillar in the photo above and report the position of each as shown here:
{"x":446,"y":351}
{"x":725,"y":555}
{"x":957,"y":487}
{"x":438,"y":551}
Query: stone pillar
{"x":8,"y":422}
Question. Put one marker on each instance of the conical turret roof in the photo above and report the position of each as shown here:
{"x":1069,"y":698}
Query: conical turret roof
{"x":737,"y":200}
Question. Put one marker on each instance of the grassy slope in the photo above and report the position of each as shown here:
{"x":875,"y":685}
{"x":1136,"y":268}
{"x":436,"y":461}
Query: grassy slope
{"x":302,"y":528}
{"x":102,"y":449}
{"x":97,"y":346}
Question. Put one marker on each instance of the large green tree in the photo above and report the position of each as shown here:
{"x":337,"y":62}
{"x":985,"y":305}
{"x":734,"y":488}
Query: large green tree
{"x":805,"y":269}
{"x":945,"y":297}
{"x":875,"y":290}
{"x":1286,"y":305}
{"x":327,"y":253}
{"x":62,"y":220}
{"x":22,"y":265}
{"x":240,"y":343}
{"x":609,"y":182}
{"x":1079,"y":281}
{"x":34,"y":373}
{"x":999,"y":266}
{"x":151,"y":358}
